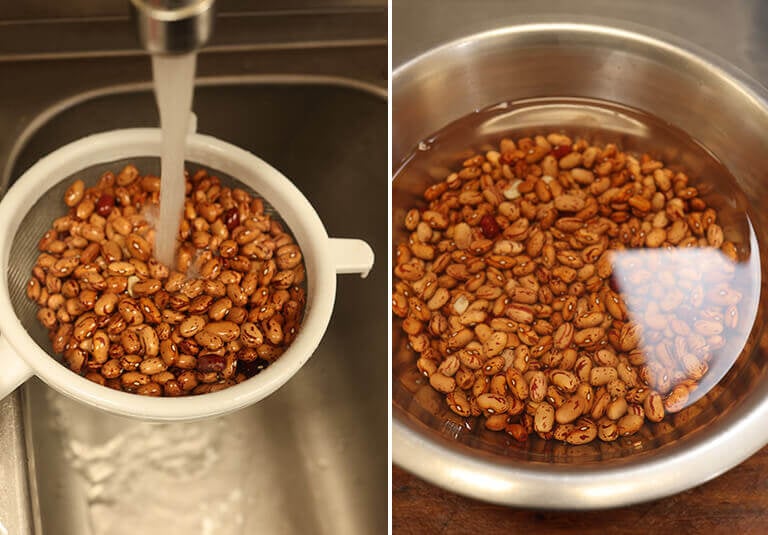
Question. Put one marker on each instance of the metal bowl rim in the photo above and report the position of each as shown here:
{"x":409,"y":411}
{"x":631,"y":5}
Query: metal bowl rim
{"x":691,"y":461}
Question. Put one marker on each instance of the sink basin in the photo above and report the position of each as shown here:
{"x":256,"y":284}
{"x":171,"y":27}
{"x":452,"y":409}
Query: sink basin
{"x":312,"y":458}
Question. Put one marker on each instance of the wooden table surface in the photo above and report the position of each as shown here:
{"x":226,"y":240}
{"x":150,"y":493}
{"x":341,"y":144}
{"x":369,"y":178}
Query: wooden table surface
{"x":735,"y":503}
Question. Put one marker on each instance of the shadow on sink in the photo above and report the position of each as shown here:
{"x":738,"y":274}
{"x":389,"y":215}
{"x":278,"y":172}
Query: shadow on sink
{"x":312,"y":458}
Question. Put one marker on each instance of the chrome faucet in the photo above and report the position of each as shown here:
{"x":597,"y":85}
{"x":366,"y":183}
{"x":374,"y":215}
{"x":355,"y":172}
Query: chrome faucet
{"x":173,"y":26}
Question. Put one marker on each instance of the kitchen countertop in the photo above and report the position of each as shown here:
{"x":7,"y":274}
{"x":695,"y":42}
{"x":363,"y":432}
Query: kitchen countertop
{"x":736,"y":502}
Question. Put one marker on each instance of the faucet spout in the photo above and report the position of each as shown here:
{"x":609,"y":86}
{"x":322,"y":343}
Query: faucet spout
{"x":173,"y":26}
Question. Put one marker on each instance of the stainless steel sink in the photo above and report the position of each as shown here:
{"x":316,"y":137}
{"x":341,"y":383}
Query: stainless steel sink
{"x":312,"y":458}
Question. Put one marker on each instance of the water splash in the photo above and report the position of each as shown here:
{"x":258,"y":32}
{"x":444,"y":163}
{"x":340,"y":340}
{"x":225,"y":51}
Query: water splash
{"x":157,"y":475}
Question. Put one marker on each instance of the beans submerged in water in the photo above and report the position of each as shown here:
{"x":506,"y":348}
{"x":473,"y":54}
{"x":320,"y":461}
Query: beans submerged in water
{"x":565,"y":289}
{"x":128,"y":322}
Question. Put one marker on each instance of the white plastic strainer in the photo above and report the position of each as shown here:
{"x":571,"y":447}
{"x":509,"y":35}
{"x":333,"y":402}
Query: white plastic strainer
{"x":30,"y":206}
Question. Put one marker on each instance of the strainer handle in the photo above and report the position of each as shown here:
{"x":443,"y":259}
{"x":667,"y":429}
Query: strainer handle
{"x":13,"y":369}
{"x":351,"y":256}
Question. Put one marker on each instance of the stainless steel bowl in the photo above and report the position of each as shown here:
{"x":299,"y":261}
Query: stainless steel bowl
{"x":716,"y":105}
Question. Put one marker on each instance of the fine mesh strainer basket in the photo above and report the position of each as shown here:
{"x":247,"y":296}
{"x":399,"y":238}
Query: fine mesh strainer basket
{"x":34,"y":202}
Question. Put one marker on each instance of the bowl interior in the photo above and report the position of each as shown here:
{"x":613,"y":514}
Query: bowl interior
{"x":548,"y":75}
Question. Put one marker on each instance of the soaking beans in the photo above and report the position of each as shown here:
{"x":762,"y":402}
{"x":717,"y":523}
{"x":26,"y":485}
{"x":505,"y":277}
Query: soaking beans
{"x":564,"y":289}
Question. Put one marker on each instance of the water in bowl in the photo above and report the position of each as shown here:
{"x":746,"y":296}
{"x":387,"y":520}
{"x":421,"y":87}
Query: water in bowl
{"x":669,"y":287}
